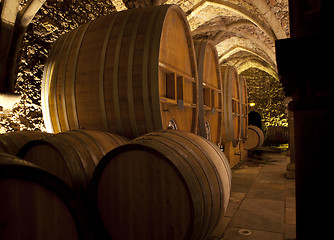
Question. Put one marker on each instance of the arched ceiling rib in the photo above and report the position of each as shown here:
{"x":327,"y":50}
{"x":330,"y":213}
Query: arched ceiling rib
{"x":273,"y":22}
{"x":235,"y":10}
{"x":270,"y":54}
{"x":238,"y":49}
{"x":221,"y":27}
{"x":240,"y":27}
{"x":247,"y":64}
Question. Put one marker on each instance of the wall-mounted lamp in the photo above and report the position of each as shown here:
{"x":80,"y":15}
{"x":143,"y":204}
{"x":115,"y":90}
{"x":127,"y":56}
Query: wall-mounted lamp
{"x":252,"y":104}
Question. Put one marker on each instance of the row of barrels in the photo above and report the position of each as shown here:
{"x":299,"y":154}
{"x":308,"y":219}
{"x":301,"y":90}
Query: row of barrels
{"x":89,"y":184}
{"x":139,"y":71}
{"x":276,"y":135}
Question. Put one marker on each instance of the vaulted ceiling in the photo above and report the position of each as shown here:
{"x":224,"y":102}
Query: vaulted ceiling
{"x":244,"y":31}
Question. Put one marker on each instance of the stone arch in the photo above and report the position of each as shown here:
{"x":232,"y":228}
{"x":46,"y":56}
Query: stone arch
{"x":236,"y":10}
{"x":269,"y":55}
{"x":255,"y":63}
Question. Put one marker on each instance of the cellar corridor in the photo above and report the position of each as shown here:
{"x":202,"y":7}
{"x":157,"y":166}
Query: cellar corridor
{"x":262,"y":203}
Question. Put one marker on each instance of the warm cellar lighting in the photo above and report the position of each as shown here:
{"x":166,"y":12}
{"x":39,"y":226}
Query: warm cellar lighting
{"x":252,"y":104}
{"x":7,"y":100}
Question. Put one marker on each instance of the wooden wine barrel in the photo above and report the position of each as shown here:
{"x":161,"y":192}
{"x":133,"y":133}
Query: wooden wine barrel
{"x":12,"y":142}
{"x":243,"y":108}
{"x":277,"y":135}
{"x":255,"y":138}
{"x":35,"y":204}
{"x":163,"y":185}
{"x":129,"y":73}
{"x":210,"y":114}
{"x":71,"y":155}
{"x":231,"y":105}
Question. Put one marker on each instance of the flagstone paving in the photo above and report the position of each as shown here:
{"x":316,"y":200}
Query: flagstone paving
{"x":262,"y":203}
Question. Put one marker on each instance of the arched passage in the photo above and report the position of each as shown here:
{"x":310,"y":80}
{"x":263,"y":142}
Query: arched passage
{"x":255,"y":119}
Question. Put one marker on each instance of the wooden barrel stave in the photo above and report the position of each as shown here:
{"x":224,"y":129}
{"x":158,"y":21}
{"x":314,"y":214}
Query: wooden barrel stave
{"x":216,"y":159}
{"x":72,"y":155}
{"x":84,"y":163}
{"x":202,"y":214}
{"x":12,"y":142}
{"x":203,"y":173}
{"x":184,"y":107}
{"x":59,"y":158}
{"x":180,"y":190}
{"x":32,"y":197}
{"x":217,"y":170}
{"x":243,"y":108}
{"x":210,"y":91}
{"x":231,"y":103}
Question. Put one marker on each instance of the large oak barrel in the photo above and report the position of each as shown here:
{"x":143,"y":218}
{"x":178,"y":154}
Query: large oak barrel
{"x":35,"y":204}
{"x":210,"y":112}
{"x":12,"y":142}
{"x":255,"y":138}
{"x":163,"y":185}
{"x":71,"y":155}
{"x":231,"y":105}
{"x":243,"y":108}
{"x":129,"y":73}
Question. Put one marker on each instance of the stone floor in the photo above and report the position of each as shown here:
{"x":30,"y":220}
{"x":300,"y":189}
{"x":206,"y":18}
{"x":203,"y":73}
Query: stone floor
{"x":262,"y":203}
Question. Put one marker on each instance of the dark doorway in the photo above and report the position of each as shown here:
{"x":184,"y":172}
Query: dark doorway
{"x":254,"y":118}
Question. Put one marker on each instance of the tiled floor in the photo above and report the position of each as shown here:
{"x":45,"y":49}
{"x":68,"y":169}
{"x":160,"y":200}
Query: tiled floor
{"x":262,"y":203}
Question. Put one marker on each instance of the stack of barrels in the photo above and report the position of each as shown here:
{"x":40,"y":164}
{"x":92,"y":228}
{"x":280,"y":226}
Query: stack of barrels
{"x":47,"y":195}
{"x":139,"y":116}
